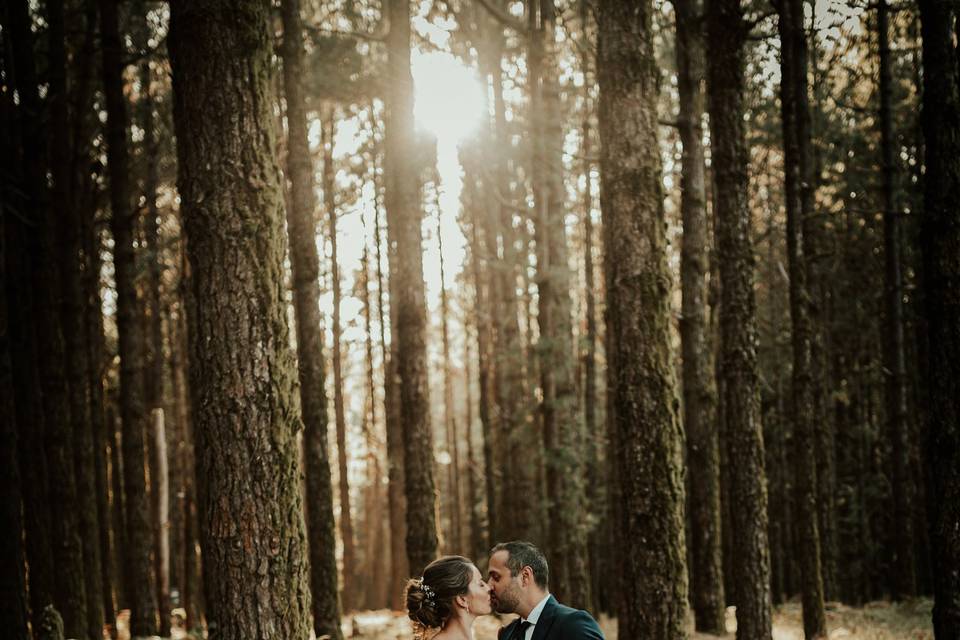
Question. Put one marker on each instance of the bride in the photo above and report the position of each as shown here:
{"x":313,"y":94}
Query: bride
{"x":449,"y":597}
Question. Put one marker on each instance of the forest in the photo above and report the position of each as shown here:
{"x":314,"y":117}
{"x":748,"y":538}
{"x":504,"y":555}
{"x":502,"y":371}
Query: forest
{"x":298,"y":295}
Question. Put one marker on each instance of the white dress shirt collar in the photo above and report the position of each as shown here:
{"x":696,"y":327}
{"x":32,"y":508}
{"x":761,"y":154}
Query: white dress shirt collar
{"x":536,"y":611}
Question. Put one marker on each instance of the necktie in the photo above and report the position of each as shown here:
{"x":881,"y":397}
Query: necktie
{"x":522,"y":631}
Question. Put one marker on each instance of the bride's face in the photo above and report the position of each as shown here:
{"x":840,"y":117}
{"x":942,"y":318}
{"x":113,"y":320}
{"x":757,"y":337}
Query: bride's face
{"x":478,"y":595}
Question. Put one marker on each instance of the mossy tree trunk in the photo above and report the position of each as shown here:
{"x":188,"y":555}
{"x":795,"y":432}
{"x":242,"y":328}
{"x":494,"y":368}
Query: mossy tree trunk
{"x":699,"y":387}
{"x":305,"y":263}
{"x":740,"y":401}
{"x":647,"y":435}
{"x":242,"y":370}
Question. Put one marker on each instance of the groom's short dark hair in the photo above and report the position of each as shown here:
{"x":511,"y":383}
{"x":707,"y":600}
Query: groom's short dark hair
{"x":522,"y":554}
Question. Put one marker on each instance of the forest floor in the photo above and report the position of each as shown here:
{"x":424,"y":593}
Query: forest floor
{"x":874,"y":621}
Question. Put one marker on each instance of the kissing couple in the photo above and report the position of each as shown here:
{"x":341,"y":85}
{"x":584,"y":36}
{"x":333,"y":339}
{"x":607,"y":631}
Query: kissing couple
{"x":452,"y":593}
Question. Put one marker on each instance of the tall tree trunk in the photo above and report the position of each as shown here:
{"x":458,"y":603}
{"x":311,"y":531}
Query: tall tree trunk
{"x":894,"y":361}
{"x":404,"y":220}
{"x":940,"y":242}
{"x":13,"y":584}
{"x":327,"y":132}
{"x":594,"y":433}
{"x":741,"y":429}
{"x":449,"y":421}
{"x":399,"y":567}
{"x":305,"y":263}
{"x":699,"y":388}
{"x":58,"y":432}
{"x":377,"y":563}
{"x":140,"y":582}
{"x":518,"y":517}
{"x":796,"y":143}
{"x":647,"y":432}
{"x":153,"y":328}
{"x":561,"y":437}
{"x":475,"y":542}
{"x":66,"y":192}
{"x":29,"y":418}
{"x":242,"y":371}
{"x":482,"y":317}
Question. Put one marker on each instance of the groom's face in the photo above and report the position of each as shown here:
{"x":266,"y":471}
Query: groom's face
{"x":505,"y":585}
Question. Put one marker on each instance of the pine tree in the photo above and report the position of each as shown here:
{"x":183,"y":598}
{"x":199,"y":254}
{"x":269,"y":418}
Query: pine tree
{"x":646,"y":433}
{"x":242,"y":370}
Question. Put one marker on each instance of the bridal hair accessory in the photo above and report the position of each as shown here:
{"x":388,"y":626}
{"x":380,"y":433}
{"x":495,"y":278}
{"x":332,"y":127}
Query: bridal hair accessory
{"x":429,"y":592}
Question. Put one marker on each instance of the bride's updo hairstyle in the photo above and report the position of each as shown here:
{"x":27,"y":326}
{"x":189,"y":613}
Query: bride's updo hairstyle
{"x":430,"y":598}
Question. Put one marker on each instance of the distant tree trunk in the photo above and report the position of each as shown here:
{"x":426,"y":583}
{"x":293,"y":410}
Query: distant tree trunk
{"x":449,"y":421}
{"x":305,"y":263}
{"x":561,"y":438}
{"x":647,"y":434}
{"x":594,"y":433}
{"x":404,"y":216}
{"x":140,"y":584}
{"x":940,"y":242}
{"x":242,"y":371}
{"x":13,"y":585}
{"x":160,"y":468}
{"x":699,"y":388}
{"x":118,"y":516}
{"x":327,"y":132}
{"x":519,"y":499}
{"x":742,"y":431}
{"x":894,"y":362}
{"x":796,"y":142}
{"x":819,"y":286}
{"x":29,"y":418}
{"x":475,"y":543}
{"x":155,"y":370}
{"x":399,"y":567}
{"x":66,"y":193}
{"x":377,"y":562}
{"x":44,"y":280}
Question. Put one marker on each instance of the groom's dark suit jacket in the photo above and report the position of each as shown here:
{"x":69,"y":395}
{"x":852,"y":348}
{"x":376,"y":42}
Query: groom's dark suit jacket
{"x":557,"y":622}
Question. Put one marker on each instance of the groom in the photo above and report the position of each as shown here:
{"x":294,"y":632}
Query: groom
{"x":517,"y":572}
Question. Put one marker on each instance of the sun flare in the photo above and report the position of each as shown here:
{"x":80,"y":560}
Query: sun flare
{"x":448,"y":96}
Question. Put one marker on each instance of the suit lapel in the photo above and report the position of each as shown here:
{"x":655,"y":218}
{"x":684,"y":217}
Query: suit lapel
{"x":506,"y":633}
{"x":545,"y":621}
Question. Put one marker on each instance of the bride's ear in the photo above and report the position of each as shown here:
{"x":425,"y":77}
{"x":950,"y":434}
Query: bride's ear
{"x":461,"y":602}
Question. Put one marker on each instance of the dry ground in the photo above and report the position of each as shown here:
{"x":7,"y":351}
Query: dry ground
{"x":874,"y":621}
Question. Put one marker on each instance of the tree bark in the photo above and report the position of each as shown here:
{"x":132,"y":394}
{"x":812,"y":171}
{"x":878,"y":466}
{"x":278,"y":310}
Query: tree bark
{"x":399,"y":567}
{"x":327,"y":132}
{"x":449,"y":421}
{"x":13,"y":585}
{"x":561,"y":438}
{"x":242,"y":370}
{"x":41,"y":264}
{"x":140,"y":582}
{"x":742,"y":431}
{"x":940,"y":242}
{"x":154,"y":371}
{"x":894,"y":361}
{"x":404,"y":220}
{"x":305,"y":262}
{"x":796,"y":142}
{"x":647,"y":433}
{"x":699,"y":388}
